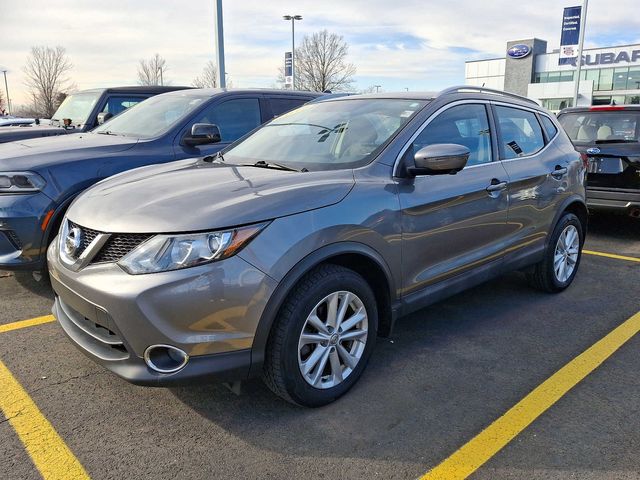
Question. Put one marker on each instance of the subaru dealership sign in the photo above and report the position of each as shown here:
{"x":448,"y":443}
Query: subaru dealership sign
{"x":519,"y":51}
{"x":570,"y":37}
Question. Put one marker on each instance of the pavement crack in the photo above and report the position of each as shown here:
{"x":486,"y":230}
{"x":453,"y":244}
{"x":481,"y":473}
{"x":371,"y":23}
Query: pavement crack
{"x":8,"y":419}
{"x":67,"y":380}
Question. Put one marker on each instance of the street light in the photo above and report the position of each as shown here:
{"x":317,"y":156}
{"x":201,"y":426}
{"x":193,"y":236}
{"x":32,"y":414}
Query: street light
{"x":293,"y":19}
{"x":377,"y":88}
{"x":6,"y":88}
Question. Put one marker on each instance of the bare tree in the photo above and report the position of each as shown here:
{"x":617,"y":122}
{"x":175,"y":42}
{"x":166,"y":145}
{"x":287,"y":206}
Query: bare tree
{"x":2,"y":106}
{"x":151,"y":72}
{"x":321,"y":63}
{"x":209,"y":77}
{"x":46,"y":76}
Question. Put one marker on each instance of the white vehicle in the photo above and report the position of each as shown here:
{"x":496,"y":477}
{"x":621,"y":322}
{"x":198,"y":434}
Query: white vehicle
{"x":11,"y":121}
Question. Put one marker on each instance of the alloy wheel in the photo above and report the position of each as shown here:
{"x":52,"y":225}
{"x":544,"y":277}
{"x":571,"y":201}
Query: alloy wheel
{"x":333,"y":339}
{"x":566,"y":253}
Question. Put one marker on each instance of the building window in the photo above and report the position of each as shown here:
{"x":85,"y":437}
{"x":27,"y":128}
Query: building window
{"x":633,"y":79}
{"x":566,"y":76}
{"x":554,"y":77}
{"x":606,"y":80}
{"x":557,"y":104}
{"x":541,"y":77}
{"x":620,"y":76}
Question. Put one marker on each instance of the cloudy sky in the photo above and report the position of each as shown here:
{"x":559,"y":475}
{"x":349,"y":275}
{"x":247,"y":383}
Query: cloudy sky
{"x":415,"y":44}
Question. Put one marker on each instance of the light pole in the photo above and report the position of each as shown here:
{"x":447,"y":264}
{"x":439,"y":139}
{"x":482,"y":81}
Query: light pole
{"x":293,"y":19}
{"x":6,"y":89}
{"x":219,"y":44}
{"x":377,"y":88}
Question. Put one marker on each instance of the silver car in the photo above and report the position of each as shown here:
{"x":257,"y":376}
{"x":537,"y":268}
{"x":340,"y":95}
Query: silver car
{"x":288,"y":253}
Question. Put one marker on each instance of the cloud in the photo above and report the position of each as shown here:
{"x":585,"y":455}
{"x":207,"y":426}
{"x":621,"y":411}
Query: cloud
{"x":415,"y":44}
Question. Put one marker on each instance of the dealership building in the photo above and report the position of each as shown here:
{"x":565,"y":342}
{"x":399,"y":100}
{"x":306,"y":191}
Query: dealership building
{"x":610,"y":75}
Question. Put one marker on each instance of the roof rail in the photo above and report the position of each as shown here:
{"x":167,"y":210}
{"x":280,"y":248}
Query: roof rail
{"x":469,"y":88}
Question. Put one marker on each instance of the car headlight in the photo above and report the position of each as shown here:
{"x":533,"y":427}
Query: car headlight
{"x":162,"y":253}
{"x":21,"y":182}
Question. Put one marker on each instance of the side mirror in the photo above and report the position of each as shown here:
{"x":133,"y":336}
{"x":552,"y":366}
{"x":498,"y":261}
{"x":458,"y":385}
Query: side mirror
{"x":202,"y":134}
{"x":439,"y":159}
{"x":103,"y":117}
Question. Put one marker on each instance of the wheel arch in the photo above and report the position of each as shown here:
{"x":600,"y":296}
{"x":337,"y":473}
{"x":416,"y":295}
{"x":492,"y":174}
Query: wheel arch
{"x":355,"y":256}
{"x":578,"y":207}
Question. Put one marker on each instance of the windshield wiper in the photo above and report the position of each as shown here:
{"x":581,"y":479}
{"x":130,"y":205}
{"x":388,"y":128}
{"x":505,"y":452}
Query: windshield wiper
{"x":107,"y":132}
{"x":214,"y":158}
{"x":278,"y":166}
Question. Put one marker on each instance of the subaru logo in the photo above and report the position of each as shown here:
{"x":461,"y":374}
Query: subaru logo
{"x":519,"y":51}
{"x":72,"y":242}
{"x":593,"y":151}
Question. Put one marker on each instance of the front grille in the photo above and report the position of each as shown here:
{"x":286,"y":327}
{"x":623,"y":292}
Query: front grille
{"x":119,"y":245}
{"x":88,"y":236}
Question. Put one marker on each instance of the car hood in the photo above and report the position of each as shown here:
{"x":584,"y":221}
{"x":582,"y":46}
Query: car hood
{"x":40,"y":152}
{"x":11,"y":134}
{"x":193,"y":195}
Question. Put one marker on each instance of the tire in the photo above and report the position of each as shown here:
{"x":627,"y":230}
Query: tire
{"x":547,"y":275}
{"x":289,"y":354}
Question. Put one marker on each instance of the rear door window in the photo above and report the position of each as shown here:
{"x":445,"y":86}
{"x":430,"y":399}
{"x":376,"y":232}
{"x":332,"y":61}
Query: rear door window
{"x":284,"y":105}
{"x":234,"y":118}
{"x":117,"y":104}
{"x":520,"y":134}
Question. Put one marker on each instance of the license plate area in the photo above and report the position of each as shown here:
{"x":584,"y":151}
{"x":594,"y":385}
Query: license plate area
{"x":607,"y":166}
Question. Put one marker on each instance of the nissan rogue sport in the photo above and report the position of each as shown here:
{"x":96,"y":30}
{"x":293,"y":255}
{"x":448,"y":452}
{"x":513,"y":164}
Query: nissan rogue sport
{"x":287,"y":253}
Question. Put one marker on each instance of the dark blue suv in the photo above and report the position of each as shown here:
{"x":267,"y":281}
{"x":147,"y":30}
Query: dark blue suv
{"x":40,"y":177}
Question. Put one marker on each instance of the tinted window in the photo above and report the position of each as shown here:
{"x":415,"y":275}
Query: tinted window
{"x":234,"y":118}
{"x":549,"y":127}
{"x":115,"y":105}
{"x":283,"y":105}
{"x":602,"y":127}
{"x":520,"y":132}
{"x":465,"y":125}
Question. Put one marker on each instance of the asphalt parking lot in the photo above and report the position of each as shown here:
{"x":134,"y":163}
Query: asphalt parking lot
{"x":447,"y":373}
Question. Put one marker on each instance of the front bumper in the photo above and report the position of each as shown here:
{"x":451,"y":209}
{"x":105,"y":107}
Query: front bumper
{"x":614,"y":199}
{"x":21,"y":235}
{"x":211,"y":312}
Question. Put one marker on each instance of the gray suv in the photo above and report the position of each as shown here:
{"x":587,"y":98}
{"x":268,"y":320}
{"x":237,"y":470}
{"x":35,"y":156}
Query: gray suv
{"x":287,"y":254}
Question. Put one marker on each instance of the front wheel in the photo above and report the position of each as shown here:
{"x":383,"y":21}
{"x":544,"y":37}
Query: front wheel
{"x":322,"y":338}
{"x":562,"y":257}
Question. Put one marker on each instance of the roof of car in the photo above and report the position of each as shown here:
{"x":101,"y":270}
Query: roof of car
{"x":155,"y":89}
{"x":196,"y":92}
{"x":599,"y":108}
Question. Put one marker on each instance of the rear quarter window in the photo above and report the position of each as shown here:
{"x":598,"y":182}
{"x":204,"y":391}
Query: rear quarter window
{"x":548,"y":126}
{"x":284,"y":105}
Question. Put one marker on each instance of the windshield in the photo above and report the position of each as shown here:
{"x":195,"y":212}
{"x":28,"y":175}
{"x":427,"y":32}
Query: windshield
{"x":326,"y":135}
{"x":77,"y":107}
{"x":602,"y":127}
{"x":152,"y":117}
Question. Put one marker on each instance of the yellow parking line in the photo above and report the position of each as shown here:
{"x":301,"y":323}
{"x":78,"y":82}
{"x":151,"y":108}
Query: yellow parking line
{"x":496,"y":436}
{"x":26,"y":323}
{"x":611,"y":255}
{"x":49,"y":453}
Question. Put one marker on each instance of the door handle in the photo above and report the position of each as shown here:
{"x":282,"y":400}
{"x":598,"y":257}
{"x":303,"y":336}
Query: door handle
{"x":559,"y":172}
{"x":496,"y":186}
